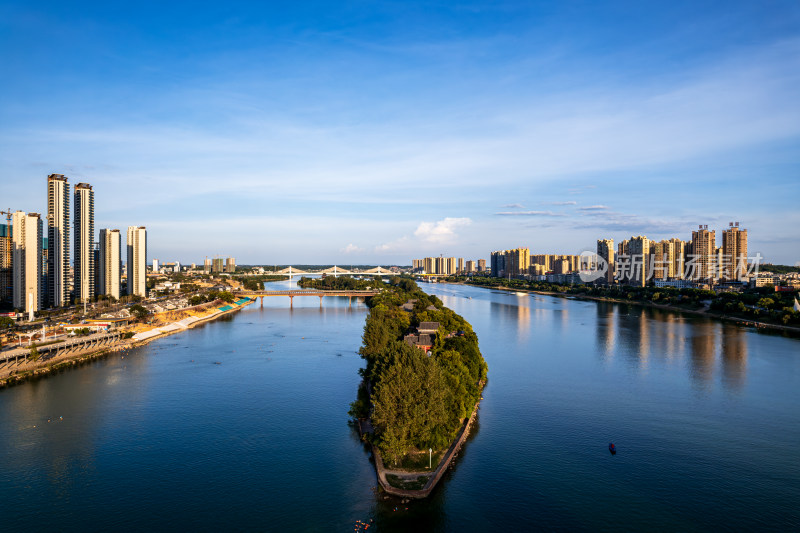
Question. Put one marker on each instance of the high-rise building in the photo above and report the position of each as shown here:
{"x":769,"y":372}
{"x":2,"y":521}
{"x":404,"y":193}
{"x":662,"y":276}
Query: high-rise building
{"x":137,"y":260}
{"x":545,"y":260}
{"x":6,"y":268}
{"x":230,"y":265}
{"x":57,"y":240}
{"x":663,"y":258}
{"x":734,"y":250}
{"x":207,"y":265}
{"x":155,"y":265}
{"x":460,"y":266}
{"x":517,"y":261}
{"x":498,"y":259}
{"x":429,"y":265}
{"x":450,"y":266}
{"x":701,"y":265}
{"x":605,"y":250}
{"x":481,"y":265}
{"x":27,"y":261}
{"x":84,"y":242}
{"x":108,"y":267}
{"x":679,"y":257}
{"x":217,"y":265}
{"x":470,"y":266}
{"x":639,"y":257}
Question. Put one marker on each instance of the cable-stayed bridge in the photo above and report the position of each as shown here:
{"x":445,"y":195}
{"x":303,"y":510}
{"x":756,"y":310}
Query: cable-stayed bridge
{"x":333,"y":271}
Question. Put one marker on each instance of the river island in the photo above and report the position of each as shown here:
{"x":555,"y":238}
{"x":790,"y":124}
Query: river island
{"x":420,"y":388}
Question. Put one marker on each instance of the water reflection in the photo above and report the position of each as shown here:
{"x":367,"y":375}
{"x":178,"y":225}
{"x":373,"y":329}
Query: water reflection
{"x":734,"y":356}
{"x":702,"y":354}
{"x":644,"y":335}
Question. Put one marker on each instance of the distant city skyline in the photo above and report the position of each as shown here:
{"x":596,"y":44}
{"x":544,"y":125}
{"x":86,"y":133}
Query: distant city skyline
{"x":384,"y":132}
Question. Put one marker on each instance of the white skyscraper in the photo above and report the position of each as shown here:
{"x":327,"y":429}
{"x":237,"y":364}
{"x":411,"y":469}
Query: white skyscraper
{"x":108,"y":270}
{"x":84,"y":242}
{"x":27,"y":261}
{"x":57,"y":240}
{"x":137,"y":260}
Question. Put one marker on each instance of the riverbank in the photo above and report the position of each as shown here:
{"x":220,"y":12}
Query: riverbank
{"x":16,"y":372}
{"x":795,"y":331}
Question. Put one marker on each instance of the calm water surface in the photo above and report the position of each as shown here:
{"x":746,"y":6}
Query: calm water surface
{"x":705,"y":417}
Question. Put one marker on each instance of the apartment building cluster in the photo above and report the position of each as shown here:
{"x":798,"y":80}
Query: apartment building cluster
{"x":520,"y":263}
{"x":446,"y":266}
{"x":36,"y":271}
{"x":678,"y":263}
{"x":699,"y":261}
{"x":218,"y":265}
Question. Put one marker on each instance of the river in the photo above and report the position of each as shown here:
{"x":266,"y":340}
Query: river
{"x":704,"y":414}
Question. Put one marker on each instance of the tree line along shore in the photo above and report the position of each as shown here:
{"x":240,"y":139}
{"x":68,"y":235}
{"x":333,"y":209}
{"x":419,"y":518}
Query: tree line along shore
{"x":763,"y":306}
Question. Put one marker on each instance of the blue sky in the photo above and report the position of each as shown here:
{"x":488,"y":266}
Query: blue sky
{"x":378,"y":132}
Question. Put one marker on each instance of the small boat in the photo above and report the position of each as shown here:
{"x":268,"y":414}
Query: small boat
{"x":612,"y":448}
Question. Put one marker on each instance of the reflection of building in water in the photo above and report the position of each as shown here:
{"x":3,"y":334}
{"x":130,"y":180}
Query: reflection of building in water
{"x":704,"y":342}
{"x":734,"y":356}
{"x":606,"y":327}
{"x":523,"y":316}
{"x":643,"y":327}
{"x":665,"y":333}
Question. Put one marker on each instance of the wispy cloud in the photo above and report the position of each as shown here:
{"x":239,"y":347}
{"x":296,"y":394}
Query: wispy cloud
{"x":560,"y":203}
{"x":514,"y":206}
{"x":529,"y":214}
{"x":581,"y":190}
{"x":594,"y":208}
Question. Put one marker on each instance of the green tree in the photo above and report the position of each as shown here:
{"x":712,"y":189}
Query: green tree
{"x":766,"y":303}
{"x":139,"y":312}
{"x":34,"y":353}
{"x":226,"y":296}
{"x":409,"y":402}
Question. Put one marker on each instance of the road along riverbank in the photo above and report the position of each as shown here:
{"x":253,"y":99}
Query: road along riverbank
{"x":162,"y":325}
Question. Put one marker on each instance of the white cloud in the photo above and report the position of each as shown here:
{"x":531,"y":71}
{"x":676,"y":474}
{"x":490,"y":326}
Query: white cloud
{"x":514,"y":206}
{"x":442,"y":231}
{"x":560,"y":203}
{"x":352,"y":249}
{"x":594,"y":208}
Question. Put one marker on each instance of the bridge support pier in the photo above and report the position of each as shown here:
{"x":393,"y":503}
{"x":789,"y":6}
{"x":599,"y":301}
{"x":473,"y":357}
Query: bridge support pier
{"x":262,"y":301}
{"x":291,"y":302}
{"x":320,"y":301}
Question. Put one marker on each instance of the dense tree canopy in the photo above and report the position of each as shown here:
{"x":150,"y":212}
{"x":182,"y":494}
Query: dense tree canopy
{"x":418,"y":400}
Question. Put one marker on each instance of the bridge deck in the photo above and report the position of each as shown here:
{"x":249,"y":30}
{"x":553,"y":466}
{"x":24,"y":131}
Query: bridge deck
{"x":310,"y":292}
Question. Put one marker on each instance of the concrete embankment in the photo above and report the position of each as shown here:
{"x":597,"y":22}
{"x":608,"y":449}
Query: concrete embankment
{"x":434,"y":478}
{"x":20,"y":371}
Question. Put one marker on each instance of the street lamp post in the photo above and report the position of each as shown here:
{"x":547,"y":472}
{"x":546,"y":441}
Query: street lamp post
{"x":430,"y":455}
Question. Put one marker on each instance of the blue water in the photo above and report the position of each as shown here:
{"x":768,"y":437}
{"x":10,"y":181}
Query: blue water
{"x":704,"y":416}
